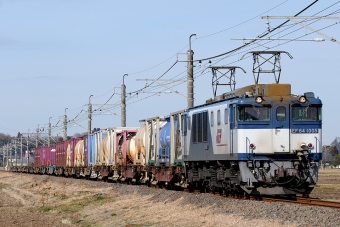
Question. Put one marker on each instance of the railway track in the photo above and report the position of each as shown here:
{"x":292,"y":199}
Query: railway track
{"x":306,"y":202}
{"x":295,"y":200}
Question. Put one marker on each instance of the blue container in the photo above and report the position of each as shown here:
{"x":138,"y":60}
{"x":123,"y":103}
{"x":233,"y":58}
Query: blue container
{"x":164,"y":139}
{"x":91,"y":150}
{"x":164,"y":136}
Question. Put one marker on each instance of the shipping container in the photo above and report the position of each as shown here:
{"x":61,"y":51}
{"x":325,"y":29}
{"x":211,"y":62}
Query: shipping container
{"x":37,"y":157}
{"x":61,"y":152}
{"x":100,"y":152}
{"x":125,"y":147}
{"x":70,"y":151}
{"x":86,"y":145}
{"x":91,"y":150}
{"x":78,"y":152}
{"x":148,"y":143}
{"x":47,"y":156}
{"x":107,"y":147}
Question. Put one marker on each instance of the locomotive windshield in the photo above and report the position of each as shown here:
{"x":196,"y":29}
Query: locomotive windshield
{"x":306,"y":113}
{"x":253,"y":113}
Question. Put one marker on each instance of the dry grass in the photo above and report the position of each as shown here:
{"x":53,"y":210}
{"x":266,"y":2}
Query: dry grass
{"x":31,"y":200}
{"x":328,"y":186}
{"x":47,"y":200}
{"x":4,"y":185}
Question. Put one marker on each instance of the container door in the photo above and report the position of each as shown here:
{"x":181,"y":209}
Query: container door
{"x":280,"y":121}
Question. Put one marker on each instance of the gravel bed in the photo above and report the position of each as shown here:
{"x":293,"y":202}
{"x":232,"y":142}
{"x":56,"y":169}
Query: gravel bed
{"x":285,"y":213}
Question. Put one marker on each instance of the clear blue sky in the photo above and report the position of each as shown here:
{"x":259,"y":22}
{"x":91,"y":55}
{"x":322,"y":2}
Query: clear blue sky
{"x":54,"y":54}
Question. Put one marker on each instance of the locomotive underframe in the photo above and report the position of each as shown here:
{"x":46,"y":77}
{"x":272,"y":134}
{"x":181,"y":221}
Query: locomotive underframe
{"x":297,"y":175}
{"x":222,"y":176}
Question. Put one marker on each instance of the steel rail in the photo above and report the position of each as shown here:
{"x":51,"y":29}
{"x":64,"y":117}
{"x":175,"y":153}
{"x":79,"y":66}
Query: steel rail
{"x":306,"y":201}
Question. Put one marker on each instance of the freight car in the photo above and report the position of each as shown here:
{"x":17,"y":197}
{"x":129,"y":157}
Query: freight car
{"x":256,"y":140}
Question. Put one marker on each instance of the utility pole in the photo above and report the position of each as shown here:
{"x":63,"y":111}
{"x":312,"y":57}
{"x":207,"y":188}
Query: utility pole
{"x":49,"y":132}
{"x":28,"y":151}
{"x":10,"y":151}
{"x":7,"y":154}
{"x":65,"y":125}
{"x":21,"y":148}
{"x":89,"y":113}
{"x":3,"y":156}
{"x":3,"y":153}
{"x":15,"y":152}
{"x":190,"y":75}
{"x":123,"y":117}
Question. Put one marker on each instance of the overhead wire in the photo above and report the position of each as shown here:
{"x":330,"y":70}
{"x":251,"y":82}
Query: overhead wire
{"x":300,"y":28}
{"x":145,"y":70}
{"x":221,"y":59}
{"x":230,"y":52}
{"x":259,"y":37}
{"x":283,"y":24}
{"x":215,"y":33}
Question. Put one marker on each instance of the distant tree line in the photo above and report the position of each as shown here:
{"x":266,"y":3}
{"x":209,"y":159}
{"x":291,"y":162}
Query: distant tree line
{"x":330,"y":154}
{"x":5,"y":139}
{"x":42,"y":139}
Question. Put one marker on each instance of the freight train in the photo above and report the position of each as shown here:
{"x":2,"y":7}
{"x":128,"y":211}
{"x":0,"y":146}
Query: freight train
{"x":256,"y":140}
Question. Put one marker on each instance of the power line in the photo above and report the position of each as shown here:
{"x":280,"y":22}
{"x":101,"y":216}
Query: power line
{"x":215,"y":33}
{"x":231,"y":53}
{"x":270,"y":41}
{"x":261,"y":36}
{"x":145,"y":70}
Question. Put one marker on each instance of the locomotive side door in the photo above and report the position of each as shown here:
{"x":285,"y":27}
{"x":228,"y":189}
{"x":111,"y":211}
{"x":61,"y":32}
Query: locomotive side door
{"x":233,"y":125}
{"x":280,"y":119}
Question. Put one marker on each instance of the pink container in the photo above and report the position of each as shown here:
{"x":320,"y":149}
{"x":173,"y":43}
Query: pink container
{"x":47,"y":156}
{"x":61,"y":153}
{"x":86,"y":141}
{"x":37,"y":157}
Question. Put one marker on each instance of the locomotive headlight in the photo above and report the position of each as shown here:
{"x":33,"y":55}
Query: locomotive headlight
{"x":303,"y":145}
{"x":310,"y":145}
{"x":302,"y":99}
{"x":259,"y":99}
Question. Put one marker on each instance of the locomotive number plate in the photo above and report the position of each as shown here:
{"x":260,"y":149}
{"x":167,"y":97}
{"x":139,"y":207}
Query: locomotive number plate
{"x":305,"y":130}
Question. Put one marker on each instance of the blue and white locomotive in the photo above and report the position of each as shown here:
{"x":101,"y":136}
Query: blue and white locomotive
{"x":258,"y":140}
{"x":262,"y":143}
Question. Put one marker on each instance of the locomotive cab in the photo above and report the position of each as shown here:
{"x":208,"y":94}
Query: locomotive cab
{"x":282,"y":135}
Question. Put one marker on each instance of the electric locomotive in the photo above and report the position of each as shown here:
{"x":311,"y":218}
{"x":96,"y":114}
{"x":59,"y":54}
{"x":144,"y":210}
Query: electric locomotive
{"x":258,"y":140}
